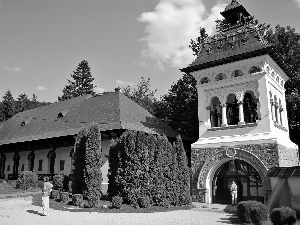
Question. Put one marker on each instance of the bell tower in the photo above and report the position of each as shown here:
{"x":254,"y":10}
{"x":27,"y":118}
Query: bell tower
{"x":241,"y":107}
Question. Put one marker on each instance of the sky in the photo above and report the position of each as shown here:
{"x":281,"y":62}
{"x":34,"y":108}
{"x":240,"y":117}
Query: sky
{"x":42,"y":41}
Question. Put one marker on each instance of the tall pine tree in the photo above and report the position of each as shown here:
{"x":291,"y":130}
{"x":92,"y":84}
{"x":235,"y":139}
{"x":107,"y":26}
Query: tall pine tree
{"x":8,"y":106}
{"x":81,"y":83}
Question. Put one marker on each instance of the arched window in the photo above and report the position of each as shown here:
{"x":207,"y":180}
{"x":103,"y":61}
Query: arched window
{"x":237,"y":73}
{"x":277,"y":79}
{"x":250,"y":107}
{"x":220,"y":76}
{"x":204,"y":80}
{"x":254,"y":69}
{"x":232,"y":110}
{"x":273,"y":74}
{"x":216,"y":112}
{"x":281,"y":83}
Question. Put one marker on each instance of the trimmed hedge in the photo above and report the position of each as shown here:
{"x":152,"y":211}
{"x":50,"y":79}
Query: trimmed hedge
{"x":77,"y":199}
{"x":26,"y":180}
{"x":144,"y":202}
{"x":64,"y":196}
{"x":283,"y":216}
{"x":259,"y":213}
{"x":244,"y":209}
{"x":79,"y":163}
{"x":142,"y":164}
{"x":55,"y":194}
{"x":93,"y":164}
{"x":116,"y":202}
{"x":58,"y":182}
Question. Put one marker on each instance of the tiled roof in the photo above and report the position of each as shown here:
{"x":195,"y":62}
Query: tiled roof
{"x":284,"y":172}
{"x":111,"y":111}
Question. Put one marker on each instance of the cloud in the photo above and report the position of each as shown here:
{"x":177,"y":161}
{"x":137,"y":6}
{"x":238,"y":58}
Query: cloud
{"x":124,"y":83}
{"x":99,"y":90}
{"x":298,"y":2}
{"x":13,"y":69}
{"x":41,"y":88}
{"x":171,"y":26}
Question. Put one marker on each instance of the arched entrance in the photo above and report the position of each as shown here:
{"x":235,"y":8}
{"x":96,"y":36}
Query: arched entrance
{"x":247,"y":178}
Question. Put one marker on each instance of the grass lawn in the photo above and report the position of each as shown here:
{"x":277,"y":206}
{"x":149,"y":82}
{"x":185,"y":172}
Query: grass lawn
{"x":9,"y":188}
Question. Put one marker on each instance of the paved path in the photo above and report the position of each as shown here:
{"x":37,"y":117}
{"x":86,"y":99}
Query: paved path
{"x":17,"y":211}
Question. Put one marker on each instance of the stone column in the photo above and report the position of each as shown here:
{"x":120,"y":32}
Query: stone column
{"x":277,"y":113}
{"x":241,"y":114}
{"x":281,"y":113}
{"x":209,"y":116}
{"x":273,"y":110}
{"x":224,"y":116}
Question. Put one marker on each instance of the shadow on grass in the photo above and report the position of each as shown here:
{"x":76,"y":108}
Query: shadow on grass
{"x":104,"y":207}
{"x":35,"y":212}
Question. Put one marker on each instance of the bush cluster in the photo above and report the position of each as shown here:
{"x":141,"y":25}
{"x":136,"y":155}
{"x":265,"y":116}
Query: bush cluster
{"x":77,"y":199}
{"x":58,"y":182}
{"x":144,"y":202}
{"x":116,"y":202}
{"x":252,"y":212}
{"x":55,"y":194}
{"x":64,"y":196}
{"x":142,"y":165}
{"x":283,"y":216}
{"x":26,"y":180}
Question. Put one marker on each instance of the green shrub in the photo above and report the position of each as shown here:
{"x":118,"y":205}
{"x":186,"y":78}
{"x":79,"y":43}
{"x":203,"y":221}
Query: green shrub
{"x":58,"y":182}
{"x":55,"y":194}
{"x":143,"y":202}
{"x":116,"y":202}
{"x":79,"y":163}
{"x":77,"y":199}
{"x":66,"y":181}
{"x":26,"y":180}
{"x":93,"y":164}
{"x":259,"y":213}
{"x":64,"y":196}
{"x":283,"y":216}
{"x":244,"y":209}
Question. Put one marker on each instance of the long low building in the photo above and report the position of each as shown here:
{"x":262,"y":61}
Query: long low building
{"x":42,"y":139}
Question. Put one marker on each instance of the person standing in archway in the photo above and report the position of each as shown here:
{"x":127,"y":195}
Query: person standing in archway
{"x":233,"y":189}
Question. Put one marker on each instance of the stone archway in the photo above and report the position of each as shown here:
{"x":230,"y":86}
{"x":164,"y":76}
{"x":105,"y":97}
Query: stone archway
{"x":210,"y":166}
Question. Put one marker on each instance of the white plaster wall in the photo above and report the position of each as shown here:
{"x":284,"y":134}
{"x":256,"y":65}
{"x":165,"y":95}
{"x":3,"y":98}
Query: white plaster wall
{"x":41,"y":154}
{"x":294,"y":184}
{"x":63,"y":154}
{"x":23,"y":160}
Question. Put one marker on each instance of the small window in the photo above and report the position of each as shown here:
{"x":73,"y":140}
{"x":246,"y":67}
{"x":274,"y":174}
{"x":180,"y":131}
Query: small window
{"x":40,"y":168}
{"x":220,"y":76}
{"x":22,"y":167}
{"x":8,"y":167}
{"x":281,"y":83}
{"x":237,"y":73}
{"x":254,"y":69}
{"x":277,"y":79}
{"x":62,"y":165}
{"x":205,"y":80}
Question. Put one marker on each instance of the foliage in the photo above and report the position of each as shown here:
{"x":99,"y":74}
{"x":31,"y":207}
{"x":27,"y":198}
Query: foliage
{"x":58,"y":182}
{"x":66,"y":181}
{"x":79,"y":163}
{"x":116,"y":202}
{"x":179,"y":107}
{"x":244,"y":210}
{"x":142,"y":95}
{"x":147,"y":165}
{"x":55,"y":194}
{"x":283,"y":216}
{"x":196,"y":45}
{"x":259,"y":214}
{"x":81,"y":83}
{"x":26,"y":180}
{"x":144,"y":202}
{"x":8,"y":110}
{"x":64,"y":196}
{"x":77,"y":199}
{"x":93,"y":164}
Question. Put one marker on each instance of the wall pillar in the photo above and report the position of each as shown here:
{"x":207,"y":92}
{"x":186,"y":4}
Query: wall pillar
{"x":241,"y":114}
{"x":277,"y":113}
{"x":224,"y":117}
{"x":273,"y":110}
